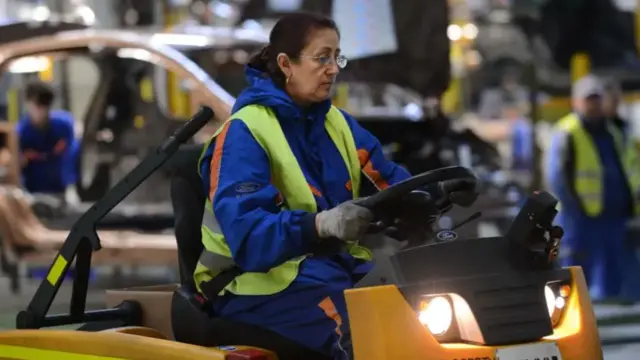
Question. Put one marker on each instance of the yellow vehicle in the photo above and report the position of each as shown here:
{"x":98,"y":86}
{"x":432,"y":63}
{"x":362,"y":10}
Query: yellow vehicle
{"x":482,"y":299}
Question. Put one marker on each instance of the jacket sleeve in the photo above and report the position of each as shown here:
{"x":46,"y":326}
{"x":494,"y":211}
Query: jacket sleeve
{"x":65,"y":134}
{"x":236,"y":175}
{"x":558,"y":165}
{"x":380,"y":171}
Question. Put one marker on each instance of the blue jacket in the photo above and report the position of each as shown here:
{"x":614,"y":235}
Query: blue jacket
{"x":54,"y":169}
{"x":521,"y":144}
{"x":259,"y":235}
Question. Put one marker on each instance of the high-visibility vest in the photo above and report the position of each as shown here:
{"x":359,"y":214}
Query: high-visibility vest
{"x":589,"y":176}
{"x":288,"y":178}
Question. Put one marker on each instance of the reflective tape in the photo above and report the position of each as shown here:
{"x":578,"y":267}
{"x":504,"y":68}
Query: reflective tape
{"x":215,"y":262}
{"x":209,"y":220}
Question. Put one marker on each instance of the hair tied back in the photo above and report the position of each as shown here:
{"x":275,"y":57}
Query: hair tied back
{"x":264,"y":53}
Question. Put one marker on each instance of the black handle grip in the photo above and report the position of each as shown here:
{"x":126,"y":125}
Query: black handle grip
{"x":464,"y":184}
{"x":404,"y":187}
{"x":191,"y":127}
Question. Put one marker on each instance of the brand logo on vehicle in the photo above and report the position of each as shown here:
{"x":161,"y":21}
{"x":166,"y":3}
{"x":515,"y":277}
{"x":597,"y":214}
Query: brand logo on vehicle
{"x":447,"y":235}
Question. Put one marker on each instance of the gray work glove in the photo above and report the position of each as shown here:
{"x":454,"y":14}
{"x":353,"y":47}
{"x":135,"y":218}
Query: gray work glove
{"x":346,"y":221}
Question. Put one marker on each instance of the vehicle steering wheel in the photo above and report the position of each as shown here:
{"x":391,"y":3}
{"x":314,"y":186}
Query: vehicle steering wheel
{"x":445,"y":180}
{"x":440,"y":178}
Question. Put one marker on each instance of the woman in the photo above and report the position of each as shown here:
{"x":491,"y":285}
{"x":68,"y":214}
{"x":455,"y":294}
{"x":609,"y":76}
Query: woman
{"x":281,"y":176}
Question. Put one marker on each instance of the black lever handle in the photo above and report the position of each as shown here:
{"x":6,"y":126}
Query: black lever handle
{"x":190,"y":128}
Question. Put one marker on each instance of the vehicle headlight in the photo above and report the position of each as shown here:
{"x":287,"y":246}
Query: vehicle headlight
{"x":556,"y":295}
{"x":436,"y":314}
{"x":550,"y":297}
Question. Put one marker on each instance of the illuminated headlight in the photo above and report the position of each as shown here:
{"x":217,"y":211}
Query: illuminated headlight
{"x":555,"y":295}
{"x":436,"y":314}
{"x":550,"y":297}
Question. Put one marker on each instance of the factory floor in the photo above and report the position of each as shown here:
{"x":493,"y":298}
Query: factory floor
{"x":619,"y":322}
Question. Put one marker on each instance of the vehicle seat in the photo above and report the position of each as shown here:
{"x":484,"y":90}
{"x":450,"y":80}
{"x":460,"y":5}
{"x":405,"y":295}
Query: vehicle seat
{"x":191,"y":321}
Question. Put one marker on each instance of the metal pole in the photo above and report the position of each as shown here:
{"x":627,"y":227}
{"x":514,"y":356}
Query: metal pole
{"x":58,"y":6}
{"x":534,"y":115}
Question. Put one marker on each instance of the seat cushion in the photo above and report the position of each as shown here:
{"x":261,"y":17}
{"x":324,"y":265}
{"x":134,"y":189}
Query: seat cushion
{"x":191,"y":324}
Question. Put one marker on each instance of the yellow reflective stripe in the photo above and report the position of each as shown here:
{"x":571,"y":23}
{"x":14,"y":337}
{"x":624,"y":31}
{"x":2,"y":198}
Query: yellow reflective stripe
{"x":56,"y":270}
{"x":25,"y":353}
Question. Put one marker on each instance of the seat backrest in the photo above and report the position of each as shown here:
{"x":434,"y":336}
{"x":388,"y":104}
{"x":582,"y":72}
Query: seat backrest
{"x":188,"y":200}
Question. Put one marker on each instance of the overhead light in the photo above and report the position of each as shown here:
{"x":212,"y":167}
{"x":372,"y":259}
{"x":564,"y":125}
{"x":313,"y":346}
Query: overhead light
{"x":86,"y":14}
{"x":454,"y":32}
{"x":29,"y":65}
{"x":40,"y":13}
{"x":251,"y":25}
{"x":223,"y":10}
{"x":132,"y":53}
{"x":470,"y":31}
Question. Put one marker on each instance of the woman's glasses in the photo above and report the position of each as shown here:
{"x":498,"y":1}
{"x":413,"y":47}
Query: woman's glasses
{"x":327,"y":60}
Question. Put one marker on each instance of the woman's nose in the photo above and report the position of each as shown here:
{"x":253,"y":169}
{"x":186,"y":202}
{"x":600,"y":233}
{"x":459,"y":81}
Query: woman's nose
{"x":333,"y":69}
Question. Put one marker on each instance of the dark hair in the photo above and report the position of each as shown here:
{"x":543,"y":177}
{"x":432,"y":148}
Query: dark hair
{"x":290,"y":35}
{"x":39,"y":93}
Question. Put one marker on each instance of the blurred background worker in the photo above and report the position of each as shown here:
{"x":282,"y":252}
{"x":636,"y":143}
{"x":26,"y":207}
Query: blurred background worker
{"x":611,"y":101}
{"x":611,"y":104}
{"x":46,"y":139}
{"x":521,"y":136}
{"x":590,"y":169}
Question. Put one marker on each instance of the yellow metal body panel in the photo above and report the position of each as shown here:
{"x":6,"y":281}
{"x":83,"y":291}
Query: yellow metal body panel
{"x":109,"y":345}
{"x":384,"y":326}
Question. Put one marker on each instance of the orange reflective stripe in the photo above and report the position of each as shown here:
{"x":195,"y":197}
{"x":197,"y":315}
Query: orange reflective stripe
{"x":216,"y":159}
{"x":369,"y":171}
{"x":330,"y":310}
{"x":279,"y":199}
{"x":60,"y":146}
{"x":315,"y":191}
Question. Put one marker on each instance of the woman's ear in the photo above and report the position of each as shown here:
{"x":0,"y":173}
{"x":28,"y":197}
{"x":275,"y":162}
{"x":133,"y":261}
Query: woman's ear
{"x":284,"y":64}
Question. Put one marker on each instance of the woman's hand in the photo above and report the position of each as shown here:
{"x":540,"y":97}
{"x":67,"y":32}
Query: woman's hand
{"x":346,"y":221}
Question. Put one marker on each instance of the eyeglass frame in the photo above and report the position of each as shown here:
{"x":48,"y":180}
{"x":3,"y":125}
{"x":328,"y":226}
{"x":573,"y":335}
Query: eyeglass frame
{"x":330,"y":60}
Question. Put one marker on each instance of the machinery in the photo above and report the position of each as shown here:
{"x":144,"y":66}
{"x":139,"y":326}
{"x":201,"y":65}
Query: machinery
{"x":125,"y":118}
{"x":438,"y":298}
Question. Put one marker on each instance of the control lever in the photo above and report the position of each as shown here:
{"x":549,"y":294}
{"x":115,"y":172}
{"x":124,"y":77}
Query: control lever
{"x":533,"y":239}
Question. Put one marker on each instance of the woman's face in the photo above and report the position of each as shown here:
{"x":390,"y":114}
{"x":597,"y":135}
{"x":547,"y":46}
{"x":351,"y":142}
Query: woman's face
{"x":309,"y":80}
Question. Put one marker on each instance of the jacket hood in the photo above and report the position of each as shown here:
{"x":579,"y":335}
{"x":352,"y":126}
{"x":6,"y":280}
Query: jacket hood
{"x":263,"y":91}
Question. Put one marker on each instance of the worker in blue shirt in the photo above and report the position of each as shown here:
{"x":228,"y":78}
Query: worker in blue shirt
{"x":593,"y":172}
{"x":281,"y":178}
{"x":47,"y":141}
{"x":521,"y":137}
